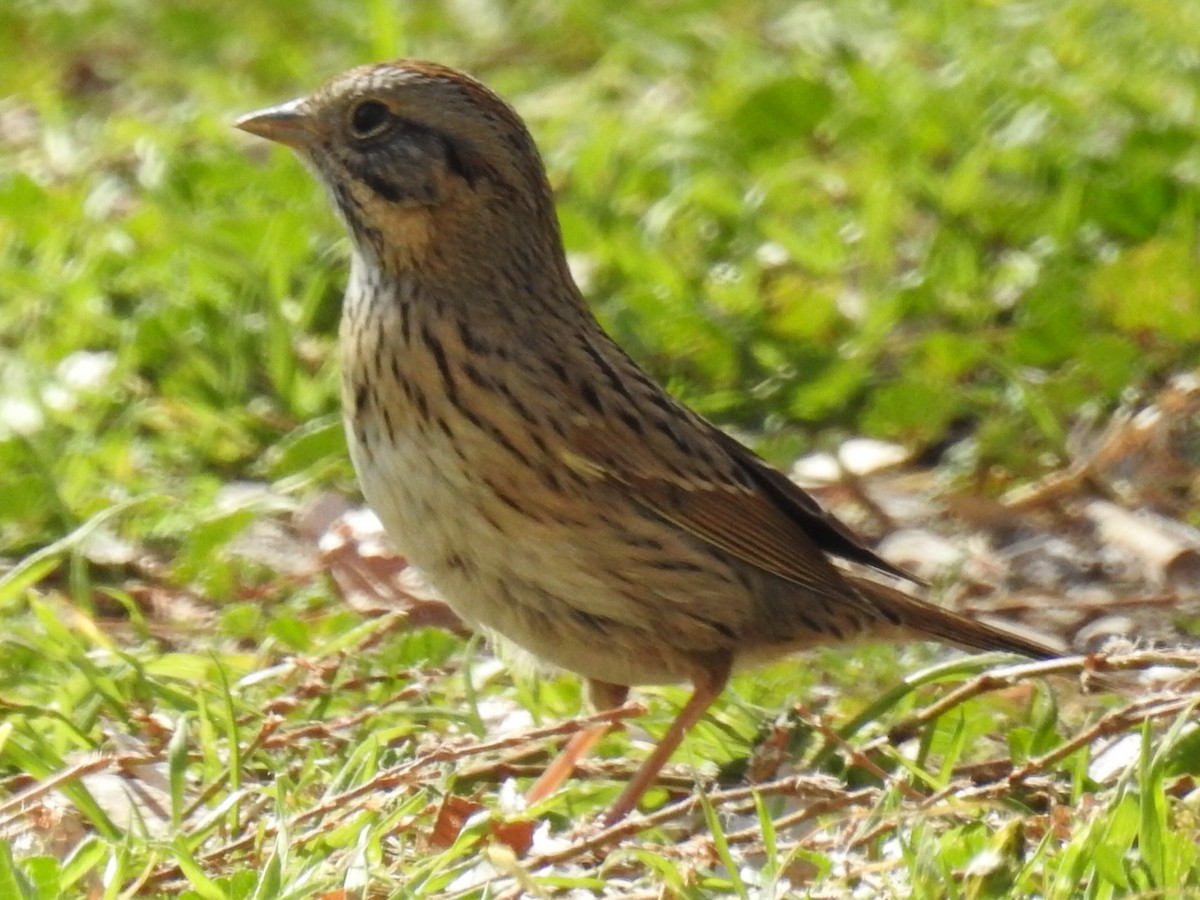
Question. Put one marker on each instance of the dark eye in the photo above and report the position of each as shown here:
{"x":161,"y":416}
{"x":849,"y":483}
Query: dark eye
{"x":370,"y":118}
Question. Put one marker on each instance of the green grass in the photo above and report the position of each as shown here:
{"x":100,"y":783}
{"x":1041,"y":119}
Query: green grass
{"x":965,"y":227}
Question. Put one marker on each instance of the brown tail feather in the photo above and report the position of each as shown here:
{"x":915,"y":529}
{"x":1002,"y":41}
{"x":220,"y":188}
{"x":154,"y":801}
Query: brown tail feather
{"x":923,"y":618}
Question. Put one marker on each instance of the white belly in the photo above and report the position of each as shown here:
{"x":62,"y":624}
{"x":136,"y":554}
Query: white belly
{"x":570,"y":597}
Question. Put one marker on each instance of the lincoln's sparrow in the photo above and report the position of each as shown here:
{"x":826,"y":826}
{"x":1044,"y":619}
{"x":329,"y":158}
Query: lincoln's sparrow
{"x":553,"y":492}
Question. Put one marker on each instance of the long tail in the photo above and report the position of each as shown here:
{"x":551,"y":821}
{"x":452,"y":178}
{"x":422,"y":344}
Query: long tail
{"x":919,"y":617}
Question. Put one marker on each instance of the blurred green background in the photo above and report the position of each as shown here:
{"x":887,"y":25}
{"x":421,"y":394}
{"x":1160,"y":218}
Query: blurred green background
{"x":969,"y":227}
{"x":963,"y":226}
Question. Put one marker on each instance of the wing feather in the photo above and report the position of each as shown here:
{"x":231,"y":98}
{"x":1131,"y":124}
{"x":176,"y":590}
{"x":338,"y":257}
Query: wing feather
{"x":727,"y":497}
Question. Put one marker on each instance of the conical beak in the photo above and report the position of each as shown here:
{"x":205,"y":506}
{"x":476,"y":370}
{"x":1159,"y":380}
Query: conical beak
{"x":288,"y":124}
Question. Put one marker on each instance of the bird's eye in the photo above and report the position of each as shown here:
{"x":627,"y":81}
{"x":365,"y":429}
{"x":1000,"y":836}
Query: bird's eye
{"x":370,"y":118}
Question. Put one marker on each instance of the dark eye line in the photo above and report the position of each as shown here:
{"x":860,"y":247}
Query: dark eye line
{"x":457,"y":156}
{"x":456,"y":160}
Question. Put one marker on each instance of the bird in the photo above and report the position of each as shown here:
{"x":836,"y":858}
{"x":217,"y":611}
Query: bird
{"x":559,"y":499}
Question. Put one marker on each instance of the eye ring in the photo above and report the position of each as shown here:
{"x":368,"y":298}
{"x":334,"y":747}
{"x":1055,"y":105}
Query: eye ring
{"x":370,"y":118}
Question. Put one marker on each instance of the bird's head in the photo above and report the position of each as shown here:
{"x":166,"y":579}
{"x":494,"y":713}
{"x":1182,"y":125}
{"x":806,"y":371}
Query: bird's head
{"x":423,"y":162}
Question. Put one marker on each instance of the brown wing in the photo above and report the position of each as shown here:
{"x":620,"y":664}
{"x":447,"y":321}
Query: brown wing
{"x":797,"y":504}
{"x":708,"y":484}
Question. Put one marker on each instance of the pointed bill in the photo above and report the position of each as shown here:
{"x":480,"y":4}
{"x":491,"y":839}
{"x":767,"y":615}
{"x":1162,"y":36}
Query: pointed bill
{"x":289,"y":123}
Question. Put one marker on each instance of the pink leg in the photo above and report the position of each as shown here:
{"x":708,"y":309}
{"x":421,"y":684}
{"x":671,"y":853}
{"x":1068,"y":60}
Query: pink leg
{"x":604,"y":696}
{"x":706,"y":689}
